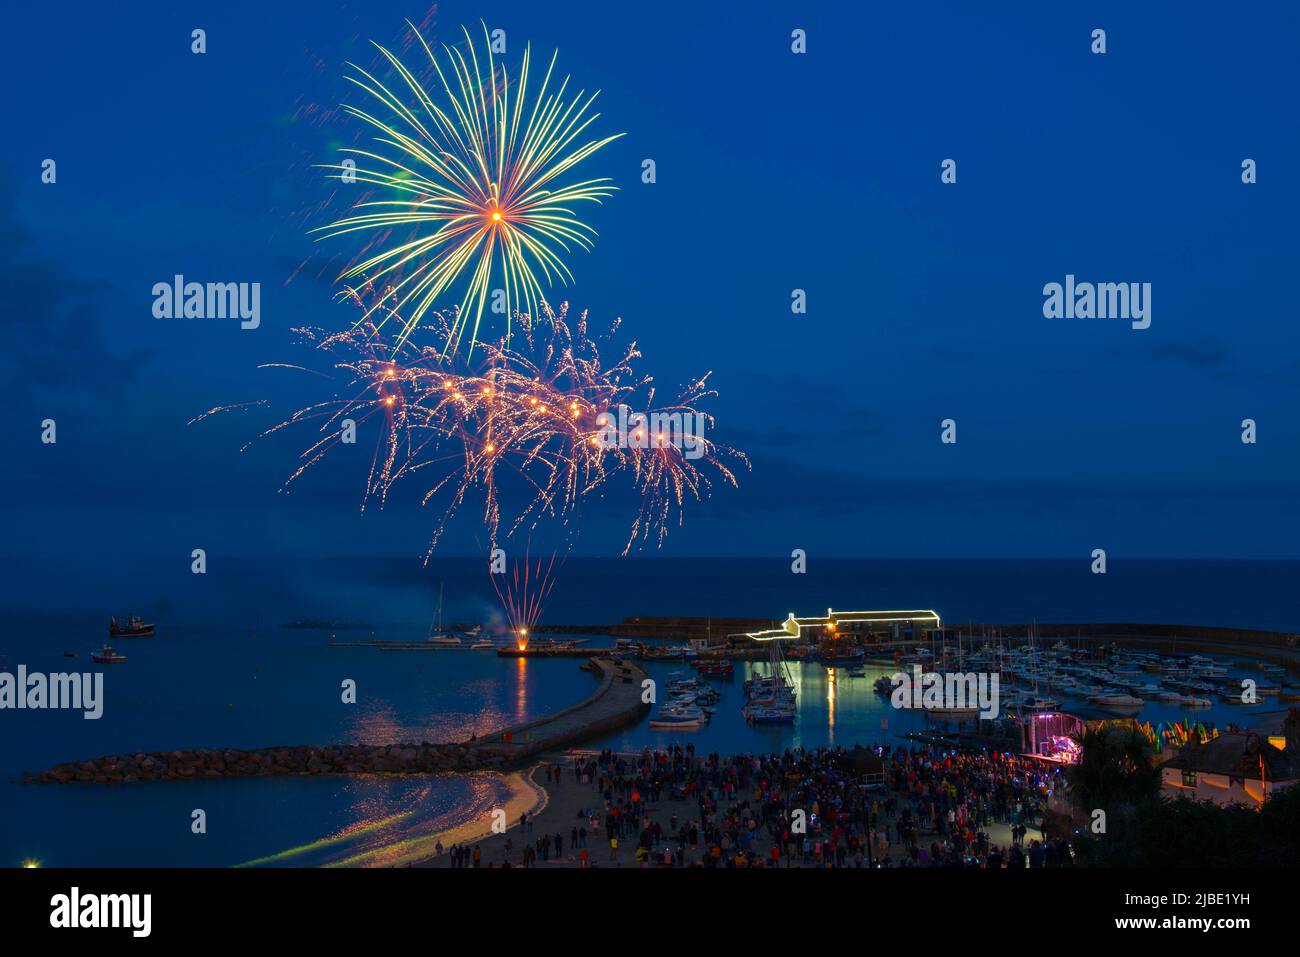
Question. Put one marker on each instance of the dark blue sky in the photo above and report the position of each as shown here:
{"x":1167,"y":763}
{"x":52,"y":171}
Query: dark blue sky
{"x":775,"y":171}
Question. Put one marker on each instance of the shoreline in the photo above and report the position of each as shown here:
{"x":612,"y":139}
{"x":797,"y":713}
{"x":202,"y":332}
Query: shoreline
{"x":525,"y":796}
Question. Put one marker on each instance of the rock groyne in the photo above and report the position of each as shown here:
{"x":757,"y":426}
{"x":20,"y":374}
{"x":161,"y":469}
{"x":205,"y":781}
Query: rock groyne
{"x":190,"y":764}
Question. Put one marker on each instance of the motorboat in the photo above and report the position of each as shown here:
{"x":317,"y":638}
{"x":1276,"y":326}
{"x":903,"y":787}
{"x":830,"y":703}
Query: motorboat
{"x":107,"y":656}
{"x":769,"y":714}
{"x":674,"y":717}
{"x":1116,"y":700}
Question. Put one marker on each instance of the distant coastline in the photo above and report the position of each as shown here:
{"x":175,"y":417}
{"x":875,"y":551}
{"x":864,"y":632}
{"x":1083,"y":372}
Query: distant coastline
{"x":313,"y":624}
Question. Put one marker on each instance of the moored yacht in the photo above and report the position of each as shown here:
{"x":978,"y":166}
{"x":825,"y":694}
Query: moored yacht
{"x":437,"y":637}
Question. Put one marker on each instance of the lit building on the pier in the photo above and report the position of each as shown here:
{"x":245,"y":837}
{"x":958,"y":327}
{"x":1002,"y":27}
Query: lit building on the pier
{"x":865,"y":626}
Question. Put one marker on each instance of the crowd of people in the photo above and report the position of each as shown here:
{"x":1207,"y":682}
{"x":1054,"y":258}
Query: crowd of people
{"x":865,"y":807}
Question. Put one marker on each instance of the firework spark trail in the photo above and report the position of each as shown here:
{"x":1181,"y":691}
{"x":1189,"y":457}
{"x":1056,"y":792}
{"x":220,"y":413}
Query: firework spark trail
{"x":483,"y":172}
{"x":528,"y":414}
{"x":523,"y":597}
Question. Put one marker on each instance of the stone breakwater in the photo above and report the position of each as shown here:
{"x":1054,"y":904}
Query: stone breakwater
{"x":615,"y":704}
{"x":422,"y":758}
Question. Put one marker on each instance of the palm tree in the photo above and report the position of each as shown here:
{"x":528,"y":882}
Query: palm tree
{"x":1115,"y":769}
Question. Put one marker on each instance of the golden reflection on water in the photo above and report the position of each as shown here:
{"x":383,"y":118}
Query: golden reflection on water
{"x":393,"y":820}
{"x":377,"y":723}
{"x":392,"y":827}
{"x":830,"y":703}
{"x":521,"y":690}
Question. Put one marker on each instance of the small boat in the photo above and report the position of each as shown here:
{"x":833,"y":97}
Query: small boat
{"x":846,"y":656}
{"x":107,"y":656}
{"x":943,"y":712}
{"x":716,"y":669}
{"x":1038,"y":703}
{"x":69,"y":654}
{"x":482,"y":645}
{"x":135,"y":627}
{"x":678,"y":717}
{"x":857,"y":672}
{"x":1194,"y":701}
{"x":883,"y":685}
{"x":769,"y":714}
{"x":1146,"y":688}
{"x":1116,"y":700}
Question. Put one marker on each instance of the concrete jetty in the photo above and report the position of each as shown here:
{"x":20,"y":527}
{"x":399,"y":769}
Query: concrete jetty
{"x":614,"y":705}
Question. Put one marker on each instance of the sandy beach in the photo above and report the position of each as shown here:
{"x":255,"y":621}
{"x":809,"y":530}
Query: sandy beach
{"x":525,"y":797}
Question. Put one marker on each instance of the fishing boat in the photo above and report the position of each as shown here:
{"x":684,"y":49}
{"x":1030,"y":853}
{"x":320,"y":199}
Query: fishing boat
{"x":715,"y":669}
{"x":107,"y":656}
{"x":849,"y":656}
{"x":437,"y":637}
{"x":135,"y":627}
